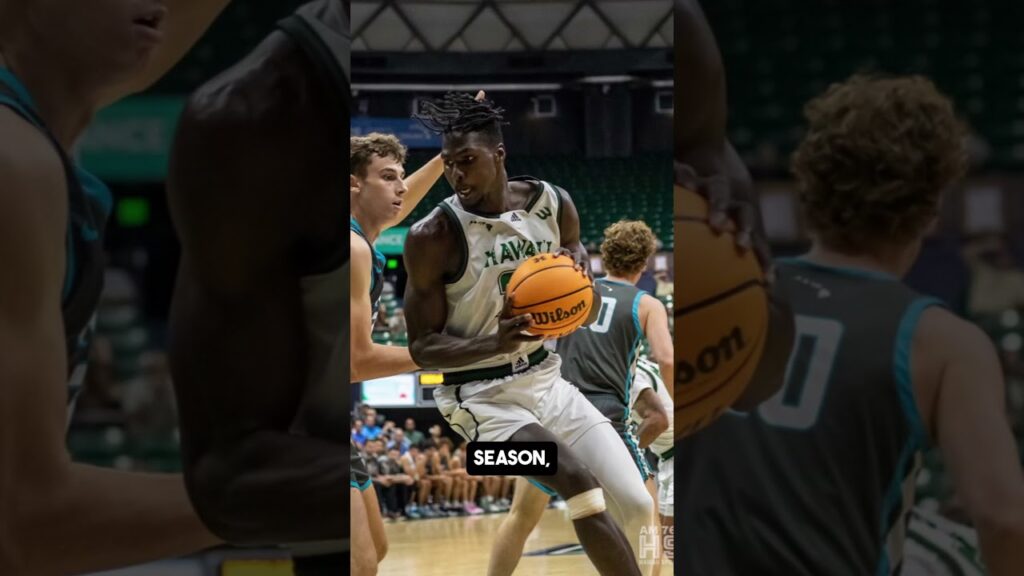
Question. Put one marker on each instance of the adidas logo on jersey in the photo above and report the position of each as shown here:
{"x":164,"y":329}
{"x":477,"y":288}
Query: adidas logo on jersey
{"x":515,"y":218}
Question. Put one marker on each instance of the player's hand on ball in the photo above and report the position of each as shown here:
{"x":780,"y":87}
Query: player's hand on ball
{"x":511,"y":329}
{"x":731,"y":201}
{"x":581,"y":264}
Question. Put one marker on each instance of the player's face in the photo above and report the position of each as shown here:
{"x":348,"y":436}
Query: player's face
{"x":380,"y":192}
{"x":472,"y":166}
{"x":107,"y":41}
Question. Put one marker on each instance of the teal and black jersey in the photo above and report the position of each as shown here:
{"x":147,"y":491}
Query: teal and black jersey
{"x":818,"y":480}
{"x":89,"y":204}
{"x":599,"y":358}
{"x":377,"y":274}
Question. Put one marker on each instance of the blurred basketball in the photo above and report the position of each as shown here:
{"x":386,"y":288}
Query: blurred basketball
{"x":551,"y":289}
{"x":721,"y":316}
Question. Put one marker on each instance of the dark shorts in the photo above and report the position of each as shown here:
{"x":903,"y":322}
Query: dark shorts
{"x":324,"y":565}
{"x":616,"y":410}
{"x":360,"y":477}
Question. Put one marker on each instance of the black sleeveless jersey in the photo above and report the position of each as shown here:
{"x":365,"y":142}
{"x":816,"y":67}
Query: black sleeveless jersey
{"x":818,"y":480}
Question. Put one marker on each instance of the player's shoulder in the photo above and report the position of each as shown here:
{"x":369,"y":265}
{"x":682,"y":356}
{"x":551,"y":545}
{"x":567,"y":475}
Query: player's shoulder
{"x":32,"y":178}
{"x":360,"y":248}
{"x":269,"y":85}
{"x":436,"y":225}
{"x":944,"y":334}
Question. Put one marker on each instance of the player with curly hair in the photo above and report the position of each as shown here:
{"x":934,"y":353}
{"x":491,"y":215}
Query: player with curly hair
{"x":820,"y":479}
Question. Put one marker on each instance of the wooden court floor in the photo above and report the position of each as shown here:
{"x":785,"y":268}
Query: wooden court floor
{"x":460,"y":547}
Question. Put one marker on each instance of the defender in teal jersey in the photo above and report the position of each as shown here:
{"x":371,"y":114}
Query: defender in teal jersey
{"x":60,"y":62}
{"x":819,"y":480}
{"x":381,"y":196}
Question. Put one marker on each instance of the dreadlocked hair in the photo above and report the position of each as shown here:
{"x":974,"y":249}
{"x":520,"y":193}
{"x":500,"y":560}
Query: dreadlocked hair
{"x":459,"y":112}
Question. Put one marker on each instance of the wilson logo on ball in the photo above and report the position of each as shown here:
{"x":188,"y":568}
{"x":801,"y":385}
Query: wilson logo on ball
{"x":709,"y":358}
{"x":558,"y":315}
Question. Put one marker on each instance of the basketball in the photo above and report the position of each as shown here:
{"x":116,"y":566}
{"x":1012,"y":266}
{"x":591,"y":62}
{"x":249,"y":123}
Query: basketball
{"x":721,"y":317}
{"x":551,"y":289}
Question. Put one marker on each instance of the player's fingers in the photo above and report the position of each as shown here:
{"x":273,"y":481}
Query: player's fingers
{"x":716,"y":190}
{"x":480,"y":95}
{"x":506,"y":308}
{"x":526,"y":319}
{"x":686,"y":176}
{"x":745,"y":217}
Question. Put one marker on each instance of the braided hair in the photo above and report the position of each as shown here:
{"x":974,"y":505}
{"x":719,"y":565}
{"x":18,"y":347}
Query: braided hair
{"x":459,"y":112}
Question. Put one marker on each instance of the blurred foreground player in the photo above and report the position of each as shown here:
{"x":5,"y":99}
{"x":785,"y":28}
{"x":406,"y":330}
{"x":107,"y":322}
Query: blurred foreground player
{"x":820,"y":480}
{"x":257,"y":323}
{"x":707,"y":163}
{"x":60,"y":62}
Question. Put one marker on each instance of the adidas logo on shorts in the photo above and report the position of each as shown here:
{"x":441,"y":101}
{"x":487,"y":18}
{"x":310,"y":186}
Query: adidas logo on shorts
{"x":520,"y":364}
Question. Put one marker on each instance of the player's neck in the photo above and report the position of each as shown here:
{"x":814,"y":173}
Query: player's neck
{"x":370,"y":228}
{"x":65,"y":107}
{"x":495,"y":201}
{"x":631,"y":280}
{"x":893,"y":262}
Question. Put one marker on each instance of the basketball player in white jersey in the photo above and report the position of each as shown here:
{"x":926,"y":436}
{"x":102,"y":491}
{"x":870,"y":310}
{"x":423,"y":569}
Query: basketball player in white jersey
{"x":500,"y":383}
{"x":648,"y":382}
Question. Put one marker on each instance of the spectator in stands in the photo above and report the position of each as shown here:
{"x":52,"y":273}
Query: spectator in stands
{"x":393,"y":484}
{"x":435,"y":434}
{"x":358,"y":433}
{"x":399,"y":441}
{"x":414,"y":435}
{"x":469,"y":484}
{"x":997,"y":283}
{"x":370,"y":427}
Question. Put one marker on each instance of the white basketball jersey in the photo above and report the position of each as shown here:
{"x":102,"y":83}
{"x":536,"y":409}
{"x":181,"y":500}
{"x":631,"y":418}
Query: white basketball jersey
{"x":495,"y":246}
{"x":648,"y":375}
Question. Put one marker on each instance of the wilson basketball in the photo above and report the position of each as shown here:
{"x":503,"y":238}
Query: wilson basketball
{"x":721,"y":317}
{"x":551,"y":289}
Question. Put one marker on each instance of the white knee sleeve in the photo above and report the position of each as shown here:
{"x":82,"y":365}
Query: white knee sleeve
{"x":586,"y":504}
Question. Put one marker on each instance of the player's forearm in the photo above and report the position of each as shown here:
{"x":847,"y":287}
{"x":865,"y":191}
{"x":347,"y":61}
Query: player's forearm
{"x":701,"y":120}
{"x":651,"y":427}
{"x":272,"y":487}
{"x":439,"y":351}
{"x":378,"y":361}
{"x":101,"y":519}
{"x":1002,"y":542}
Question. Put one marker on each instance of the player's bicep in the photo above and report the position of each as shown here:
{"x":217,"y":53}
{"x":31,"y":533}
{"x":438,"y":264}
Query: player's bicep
{"x":970,"y":423}
{"x":656,"y":330}
{"x":33,"y":363}
{"x":360,"y":314}
{"x":425,"y":303}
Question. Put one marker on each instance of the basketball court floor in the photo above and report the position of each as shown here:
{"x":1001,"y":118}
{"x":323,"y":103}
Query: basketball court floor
{"x":461,"y":546}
